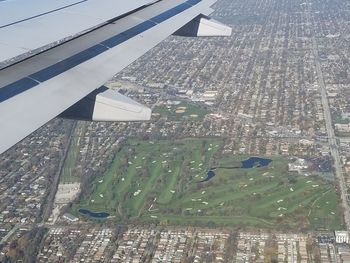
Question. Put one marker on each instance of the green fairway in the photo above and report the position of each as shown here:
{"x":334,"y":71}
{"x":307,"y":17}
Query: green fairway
{"x":160,"y":182}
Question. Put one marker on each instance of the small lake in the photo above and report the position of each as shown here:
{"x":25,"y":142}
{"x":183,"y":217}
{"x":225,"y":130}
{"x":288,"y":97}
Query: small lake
{"x":93,"y":214}
{"x":255,"y":162}
{"x":210,"y":175}
{"x":251,"y":162}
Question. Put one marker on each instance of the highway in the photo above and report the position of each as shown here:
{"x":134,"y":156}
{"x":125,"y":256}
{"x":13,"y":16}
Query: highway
{"x":9,"y":234}
{"x":332,"y":140}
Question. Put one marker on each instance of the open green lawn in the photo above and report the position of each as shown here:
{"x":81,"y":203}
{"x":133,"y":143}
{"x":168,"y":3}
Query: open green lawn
{"x":190,"y":110}
{"x":69,"y":172}
{"x":159,"y":181}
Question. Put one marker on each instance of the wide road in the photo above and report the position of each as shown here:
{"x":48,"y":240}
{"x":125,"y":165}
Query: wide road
{"x":9,"y":234}
{"x":332,"y":141}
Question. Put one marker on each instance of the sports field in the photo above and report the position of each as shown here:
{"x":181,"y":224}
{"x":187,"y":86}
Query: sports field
{"x":159,"y":181}
{"x":183,"y":110}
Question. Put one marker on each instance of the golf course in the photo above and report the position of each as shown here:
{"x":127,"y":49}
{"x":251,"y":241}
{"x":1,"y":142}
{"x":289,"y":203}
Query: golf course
{"x":168,"y":182}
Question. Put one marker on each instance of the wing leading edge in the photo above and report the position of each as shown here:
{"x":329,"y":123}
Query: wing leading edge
{"x":40,"y":88}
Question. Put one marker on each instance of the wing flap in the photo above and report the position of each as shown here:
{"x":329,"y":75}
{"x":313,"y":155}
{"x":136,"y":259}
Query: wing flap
{"x":203,"y":26}
{"x":105,"y":104}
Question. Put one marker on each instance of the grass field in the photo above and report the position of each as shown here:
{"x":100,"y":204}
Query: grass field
{"x":159,"y":181}
{"x":181,"y":111}
{"x":68,"y":172}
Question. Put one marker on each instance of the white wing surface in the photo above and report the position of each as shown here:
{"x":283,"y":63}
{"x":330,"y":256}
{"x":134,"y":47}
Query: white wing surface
{"x":57,"y":53}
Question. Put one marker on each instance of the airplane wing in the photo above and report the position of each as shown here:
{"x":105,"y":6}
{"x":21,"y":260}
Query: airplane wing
{"x":56,"y":55}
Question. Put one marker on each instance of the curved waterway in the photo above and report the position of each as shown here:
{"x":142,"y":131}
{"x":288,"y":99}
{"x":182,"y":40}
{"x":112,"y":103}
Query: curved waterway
{"x":93,"y":214}
{"x":251,"y":162}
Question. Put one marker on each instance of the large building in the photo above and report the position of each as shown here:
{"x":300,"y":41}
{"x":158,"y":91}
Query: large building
{"x":341,"y":237}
